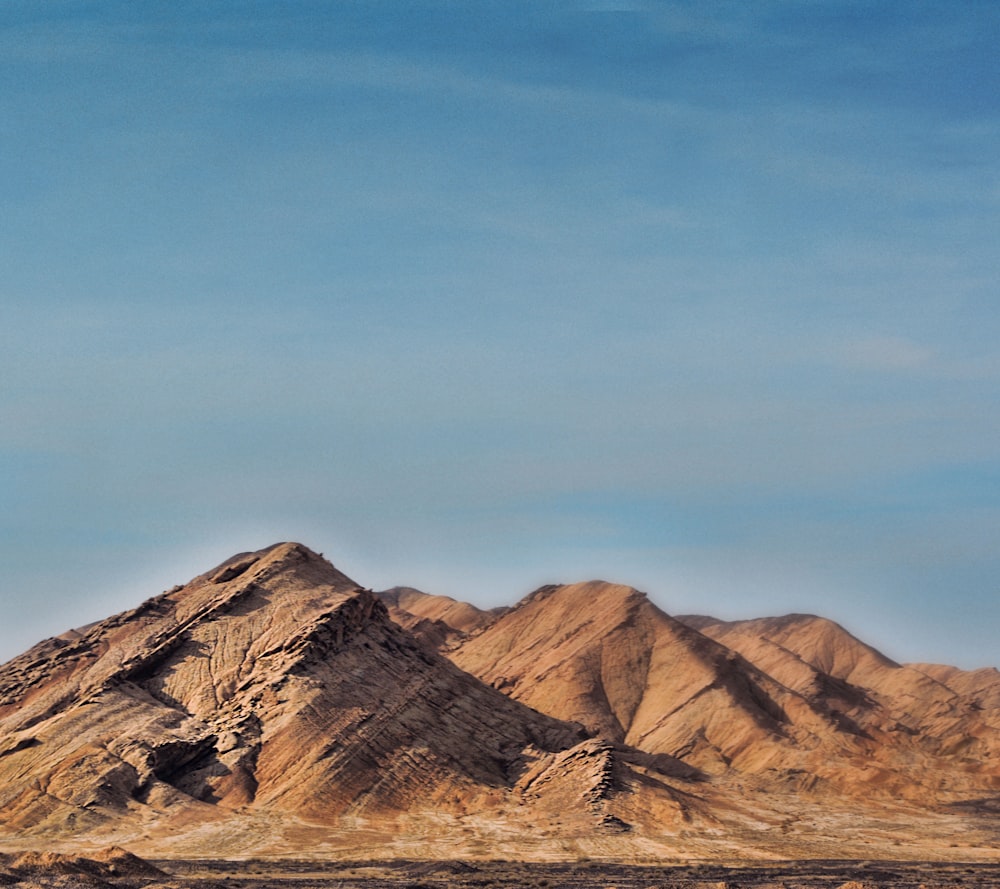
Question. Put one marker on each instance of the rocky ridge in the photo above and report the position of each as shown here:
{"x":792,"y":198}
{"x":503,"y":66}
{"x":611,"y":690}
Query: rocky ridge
{"x":791,"y":703}
{"x":275,"y":706}
{"x":439,"y":620}
{"x":274,"y":686}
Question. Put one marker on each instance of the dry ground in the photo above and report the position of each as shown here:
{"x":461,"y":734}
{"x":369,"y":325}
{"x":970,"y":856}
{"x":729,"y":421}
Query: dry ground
{"x":580,"y":875}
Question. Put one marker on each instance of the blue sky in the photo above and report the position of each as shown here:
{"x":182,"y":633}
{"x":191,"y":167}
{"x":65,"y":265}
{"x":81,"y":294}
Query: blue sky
{"x":700,"y":297}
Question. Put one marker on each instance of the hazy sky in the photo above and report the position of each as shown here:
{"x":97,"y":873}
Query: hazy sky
{"x":700,"y":297}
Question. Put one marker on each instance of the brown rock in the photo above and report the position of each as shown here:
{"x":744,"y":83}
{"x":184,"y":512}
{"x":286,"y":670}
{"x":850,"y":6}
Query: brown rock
{"x":441,"y":621}
{"x":604,"y":655}
{"x":273,"y":684}
{"x":272,"y":707}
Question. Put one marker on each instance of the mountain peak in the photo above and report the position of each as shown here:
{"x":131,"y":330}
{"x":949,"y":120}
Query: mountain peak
{"x":277,"y":557}
{"x":583,"y":651}
{"x":587,"y":591}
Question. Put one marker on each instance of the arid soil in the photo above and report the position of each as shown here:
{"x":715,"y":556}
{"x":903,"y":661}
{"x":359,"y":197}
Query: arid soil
{"x":118,"y":872}
{"x":597,"y":875}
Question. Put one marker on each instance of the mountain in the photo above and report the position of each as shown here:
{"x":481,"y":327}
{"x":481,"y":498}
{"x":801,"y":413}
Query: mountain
{"x":828,"y":650}
{"x":604,"y":655}
{"x":439,"y":620}
{"x":930,"y":731}
{"x":274,"y":691}
{"x":273,"y":707}
{"x":794,"y":702}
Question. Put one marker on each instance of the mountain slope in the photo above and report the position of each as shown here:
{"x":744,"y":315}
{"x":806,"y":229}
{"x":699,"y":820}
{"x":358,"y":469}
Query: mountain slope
{"x":272,"y":684}
{"x":916,"y":694}
{"x":931,"y":732}
{"x":604,"y":655}
{"x":441,"y":621}
{"x":271,"y":707}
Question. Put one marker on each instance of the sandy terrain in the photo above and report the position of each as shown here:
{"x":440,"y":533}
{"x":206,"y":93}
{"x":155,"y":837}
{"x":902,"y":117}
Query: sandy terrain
{"x":78,"y":873}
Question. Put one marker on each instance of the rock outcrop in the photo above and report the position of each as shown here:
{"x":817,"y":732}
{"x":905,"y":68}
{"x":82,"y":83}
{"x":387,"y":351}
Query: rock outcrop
{"x":103,"y":869}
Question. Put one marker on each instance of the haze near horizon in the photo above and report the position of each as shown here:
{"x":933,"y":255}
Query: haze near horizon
{"x":701,"y":300}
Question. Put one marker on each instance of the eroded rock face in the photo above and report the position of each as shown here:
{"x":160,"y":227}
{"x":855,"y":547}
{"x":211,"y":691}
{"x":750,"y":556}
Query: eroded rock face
{"x":793,"y":703}
{"x":274,"y":684}
{"x":604,"y":655}
{"x":928,"y":733}
{"x":273,"y":703}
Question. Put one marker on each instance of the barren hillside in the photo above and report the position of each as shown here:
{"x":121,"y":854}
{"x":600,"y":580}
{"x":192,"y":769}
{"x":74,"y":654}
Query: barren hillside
{"x":271,"y":707}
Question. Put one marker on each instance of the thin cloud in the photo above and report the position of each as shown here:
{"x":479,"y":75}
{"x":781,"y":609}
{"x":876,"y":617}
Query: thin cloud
{"x":888,"y":353}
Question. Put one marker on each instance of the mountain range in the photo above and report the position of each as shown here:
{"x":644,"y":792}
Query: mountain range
{"x":274,"y":707}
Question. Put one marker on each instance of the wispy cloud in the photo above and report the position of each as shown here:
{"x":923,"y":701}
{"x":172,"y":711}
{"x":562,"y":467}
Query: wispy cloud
{"x":887,"y":353}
